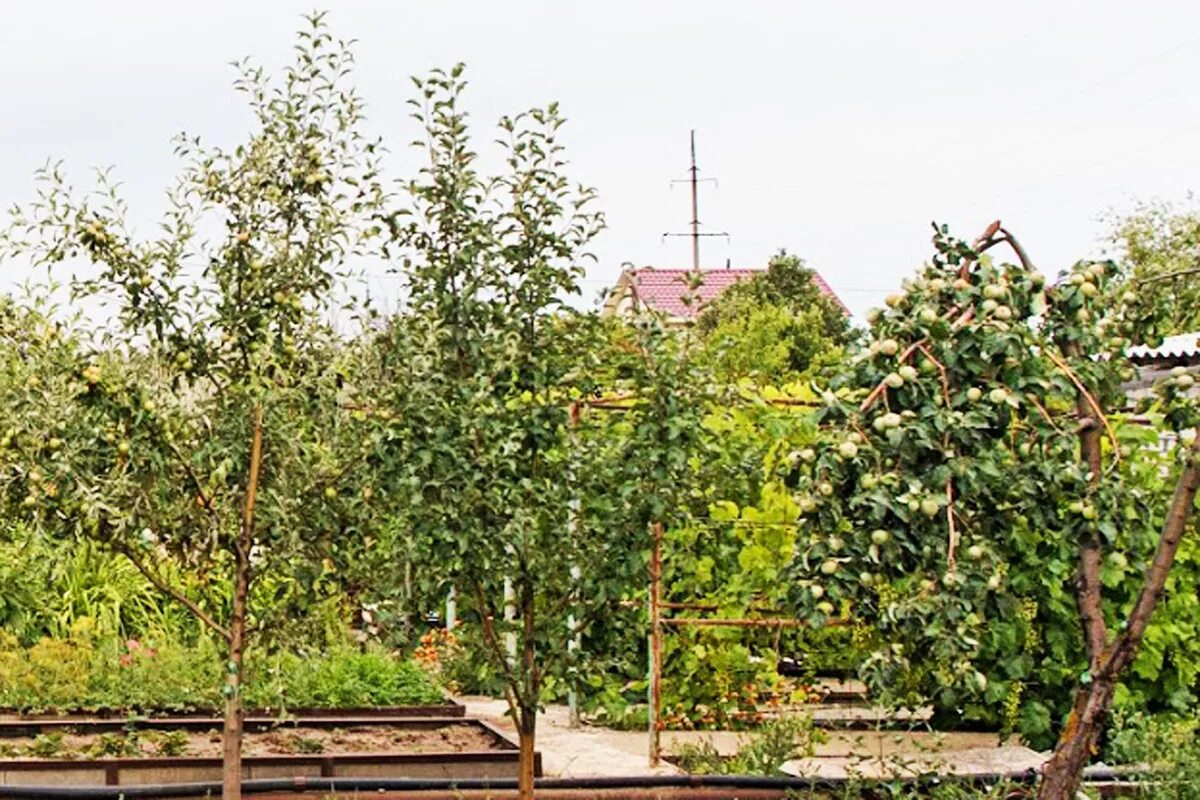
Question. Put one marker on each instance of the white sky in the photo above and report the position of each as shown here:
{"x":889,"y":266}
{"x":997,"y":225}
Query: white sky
{"x":837,"y":130}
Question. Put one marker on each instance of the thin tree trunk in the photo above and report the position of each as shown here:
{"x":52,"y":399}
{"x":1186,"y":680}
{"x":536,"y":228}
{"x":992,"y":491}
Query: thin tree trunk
{"x":531,"y":675}
{"x":231,"y":767}
{"x":526,"y":728}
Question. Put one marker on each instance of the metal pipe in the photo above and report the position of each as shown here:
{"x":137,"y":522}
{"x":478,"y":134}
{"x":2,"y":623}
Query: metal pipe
{"x":510,"y":616}
{"x":340,"y":785}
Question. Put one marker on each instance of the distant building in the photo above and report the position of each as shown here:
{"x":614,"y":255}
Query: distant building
{"x":1155,"y":363}
{"x":663,"y":291}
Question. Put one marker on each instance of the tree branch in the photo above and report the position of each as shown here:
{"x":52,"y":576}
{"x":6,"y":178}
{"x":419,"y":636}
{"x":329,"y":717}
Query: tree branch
{"x":246,"y":537}
{"x":489,"y":636}
{"x":882,"y":387}
{"x":1166,"y":276}
{"x":174,"y":593}
{"x":941,"y":372}
{"x":1182,"y":504}
{"x":1018,"y":249}
{"x":195,"y":479}
{"x":952,"y":544}
{"x":1088,"y":587}
{"x":1085,"y":395}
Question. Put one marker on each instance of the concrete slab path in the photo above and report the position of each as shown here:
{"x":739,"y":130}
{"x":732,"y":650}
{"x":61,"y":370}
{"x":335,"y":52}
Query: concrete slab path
{"x":594,"y":751}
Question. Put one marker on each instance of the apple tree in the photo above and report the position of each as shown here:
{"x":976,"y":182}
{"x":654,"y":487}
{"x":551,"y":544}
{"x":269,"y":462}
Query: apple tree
{"x":514,"y":488}
{"x":204,"y":428}
{"x":975,"y":469}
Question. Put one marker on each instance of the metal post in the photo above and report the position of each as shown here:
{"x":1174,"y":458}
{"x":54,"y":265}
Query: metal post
{"x":573,"y":644}
{"x":510,"y":616}
{"x":695,"y":210}
{"x":694,"y":232}
{"x":656,"y":632}
{"x":575,"y":638}
{"x":451,"y":608}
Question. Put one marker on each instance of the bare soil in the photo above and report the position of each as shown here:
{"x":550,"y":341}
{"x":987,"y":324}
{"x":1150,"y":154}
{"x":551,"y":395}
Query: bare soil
{"x":281,"y":741}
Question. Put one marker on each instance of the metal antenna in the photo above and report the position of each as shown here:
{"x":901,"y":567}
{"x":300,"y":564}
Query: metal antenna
{"x":694,"y":179}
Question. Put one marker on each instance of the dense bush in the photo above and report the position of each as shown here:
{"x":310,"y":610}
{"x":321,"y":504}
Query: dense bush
{"x":83,"y":673}
{"x":1162,"y":751}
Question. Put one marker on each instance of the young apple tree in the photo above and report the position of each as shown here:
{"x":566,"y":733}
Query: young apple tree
{"x":507,"y":479}
{"x":203,"y":430}
{"x":975,"y":469}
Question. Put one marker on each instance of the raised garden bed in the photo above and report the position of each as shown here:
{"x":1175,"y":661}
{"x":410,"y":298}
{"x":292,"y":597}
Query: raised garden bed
{"x":447,"y":709}
{"x":108,"y":752}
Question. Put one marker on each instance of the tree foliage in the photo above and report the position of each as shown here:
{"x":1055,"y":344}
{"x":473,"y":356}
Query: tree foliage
{"x":204,"y":429}
{"x":1159,"y":244}
{"x":774,"y":326}
{"x":971,"y":481}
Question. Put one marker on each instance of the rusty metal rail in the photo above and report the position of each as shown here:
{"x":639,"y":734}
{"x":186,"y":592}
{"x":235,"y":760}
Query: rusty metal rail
{"x":659,"y":624}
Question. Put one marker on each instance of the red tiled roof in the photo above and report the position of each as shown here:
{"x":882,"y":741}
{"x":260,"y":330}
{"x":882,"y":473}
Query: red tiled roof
{"x":663,"y":290}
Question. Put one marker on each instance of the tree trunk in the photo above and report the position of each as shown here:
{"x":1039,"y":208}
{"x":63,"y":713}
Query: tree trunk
{"x":528,"y":699}
{"x":231,"y":766}
{"x":525,"y":732}
{"x":1081,"y":735}
{"x":1063,"y":773}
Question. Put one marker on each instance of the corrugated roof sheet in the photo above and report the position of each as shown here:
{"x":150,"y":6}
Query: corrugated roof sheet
{"x":1181,"y":345}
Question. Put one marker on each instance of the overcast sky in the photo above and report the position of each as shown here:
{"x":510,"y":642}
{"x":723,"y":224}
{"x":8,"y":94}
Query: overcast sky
{"x":836,"y":130}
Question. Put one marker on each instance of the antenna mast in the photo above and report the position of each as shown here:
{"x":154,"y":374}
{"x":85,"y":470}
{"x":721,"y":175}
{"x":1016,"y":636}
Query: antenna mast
{"x":695,"y":180}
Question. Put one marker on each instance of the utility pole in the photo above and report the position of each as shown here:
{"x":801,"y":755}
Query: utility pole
{"x":695,"y":180}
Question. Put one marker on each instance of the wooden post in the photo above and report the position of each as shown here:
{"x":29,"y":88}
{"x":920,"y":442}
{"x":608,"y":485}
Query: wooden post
{"x":656,"y":633}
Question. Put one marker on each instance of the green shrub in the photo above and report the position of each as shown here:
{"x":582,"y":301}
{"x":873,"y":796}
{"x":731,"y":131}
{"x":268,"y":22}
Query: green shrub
{"x":775,"y":743}
{"x":80,"y":674}
{"x":343,"y":677}
{"x":171,"y":743}
{"x":1162,"y":750}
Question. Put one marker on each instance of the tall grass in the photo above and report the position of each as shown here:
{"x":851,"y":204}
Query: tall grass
{"x":52,"y":588}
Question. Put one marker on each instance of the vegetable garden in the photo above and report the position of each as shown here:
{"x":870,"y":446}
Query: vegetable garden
{"x":217,"y":500}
